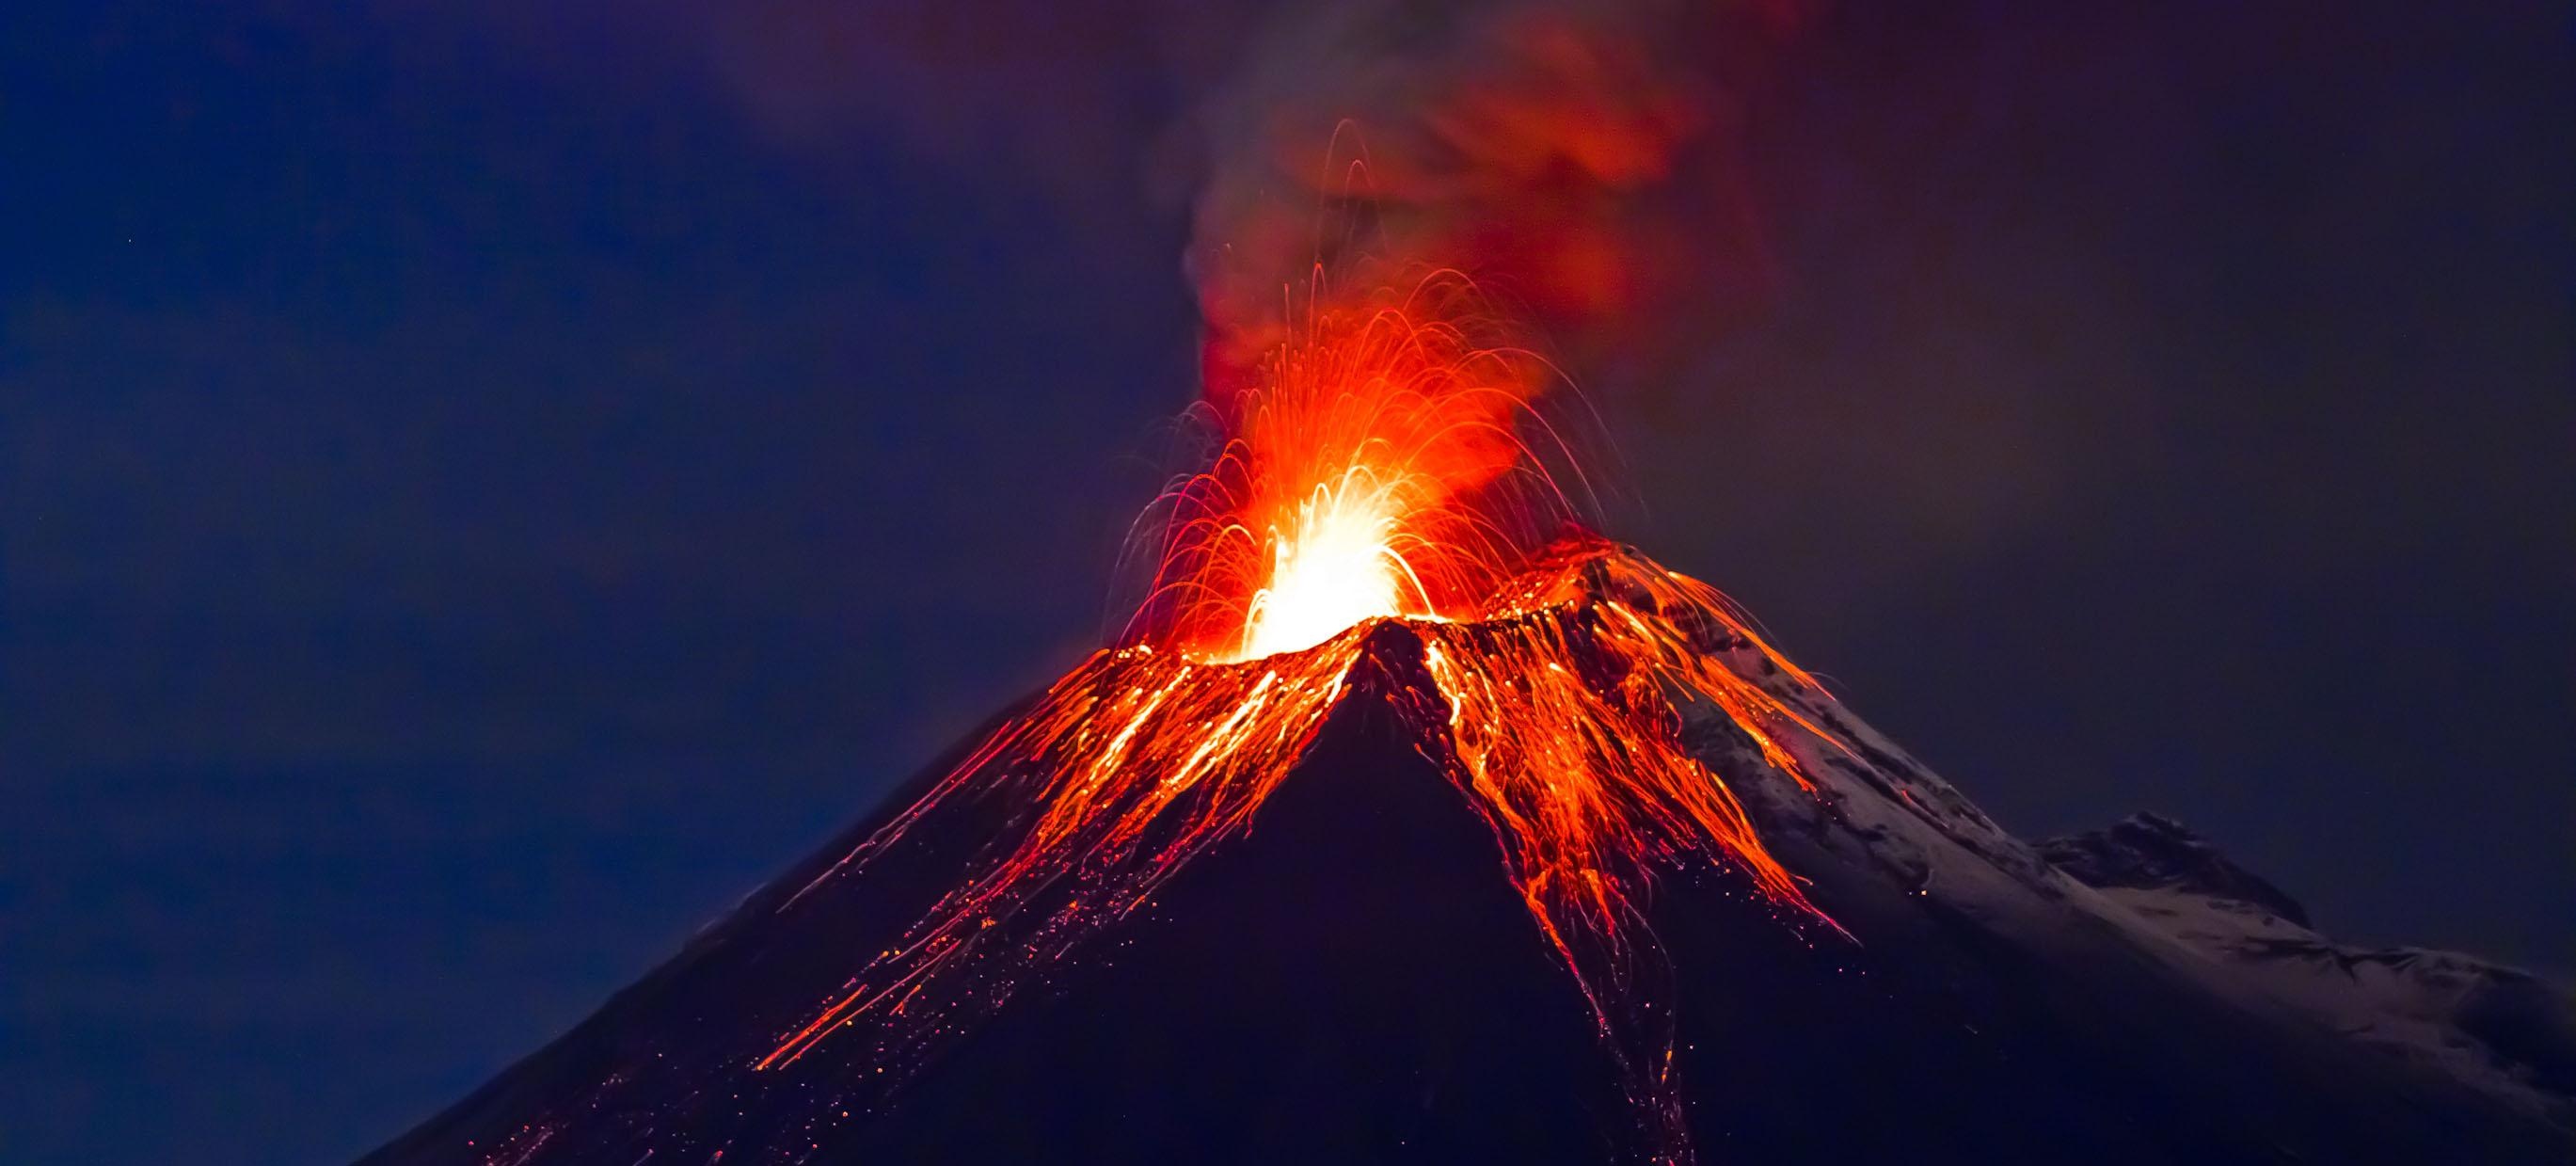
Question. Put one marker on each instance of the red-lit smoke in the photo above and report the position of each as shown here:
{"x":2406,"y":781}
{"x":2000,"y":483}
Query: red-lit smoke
{"x":1586,"y":164}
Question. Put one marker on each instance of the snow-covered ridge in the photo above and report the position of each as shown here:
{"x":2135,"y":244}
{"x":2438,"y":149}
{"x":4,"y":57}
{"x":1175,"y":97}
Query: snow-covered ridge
{"x":1882,"y":821}
{"x":2497,"y":1027}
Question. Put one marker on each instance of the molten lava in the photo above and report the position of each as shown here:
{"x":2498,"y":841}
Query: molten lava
{"x":1377,"y":474}
{"x":1376,"y":470}
{"x":1332,"y":567}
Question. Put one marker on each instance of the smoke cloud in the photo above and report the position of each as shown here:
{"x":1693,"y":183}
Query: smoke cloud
{"x":1584,"y":164}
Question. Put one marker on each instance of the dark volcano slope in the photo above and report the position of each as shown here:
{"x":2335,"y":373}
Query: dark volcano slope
{"x":1355,"y":981}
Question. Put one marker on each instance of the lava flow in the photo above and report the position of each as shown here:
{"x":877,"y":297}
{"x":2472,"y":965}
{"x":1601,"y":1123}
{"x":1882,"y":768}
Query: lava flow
{"x":1375,"y":474}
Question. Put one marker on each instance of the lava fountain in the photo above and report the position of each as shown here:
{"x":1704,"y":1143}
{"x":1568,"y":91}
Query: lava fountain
{"x":1376,"y":472}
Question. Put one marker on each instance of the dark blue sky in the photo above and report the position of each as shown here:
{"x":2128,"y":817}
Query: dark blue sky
{"x":478,"y":492}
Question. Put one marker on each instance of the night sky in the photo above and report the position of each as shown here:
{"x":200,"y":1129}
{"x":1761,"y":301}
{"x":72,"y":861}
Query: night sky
{"x":480,"y":491}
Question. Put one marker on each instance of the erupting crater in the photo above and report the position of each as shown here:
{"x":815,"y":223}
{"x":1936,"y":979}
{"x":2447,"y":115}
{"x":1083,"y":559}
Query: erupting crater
{"x":1377,"y":477}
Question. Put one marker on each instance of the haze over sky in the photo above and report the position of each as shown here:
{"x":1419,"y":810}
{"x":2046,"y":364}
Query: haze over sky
{"x":480,"y":491}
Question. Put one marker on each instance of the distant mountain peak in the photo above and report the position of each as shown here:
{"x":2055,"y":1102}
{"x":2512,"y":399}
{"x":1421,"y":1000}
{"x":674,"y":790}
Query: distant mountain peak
{"x":2148,"y":852}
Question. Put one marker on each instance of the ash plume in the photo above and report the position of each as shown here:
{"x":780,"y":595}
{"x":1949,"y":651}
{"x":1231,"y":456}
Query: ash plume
{"x":1585,"y":164}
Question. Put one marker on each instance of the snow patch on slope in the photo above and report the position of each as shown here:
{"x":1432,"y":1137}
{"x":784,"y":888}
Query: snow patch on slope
{"x":2505,"y":1030}
{"x":2153,"y":888}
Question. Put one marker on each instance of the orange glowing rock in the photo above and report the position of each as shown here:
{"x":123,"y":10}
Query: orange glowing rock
{"x":1376,"y":480}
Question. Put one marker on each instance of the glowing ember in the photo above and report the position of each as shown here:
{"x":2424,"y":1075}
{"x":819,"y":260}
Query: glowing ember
{"x":1375,"y":476}
{"x":1377,"y":470}
{"x":1334,"y":566}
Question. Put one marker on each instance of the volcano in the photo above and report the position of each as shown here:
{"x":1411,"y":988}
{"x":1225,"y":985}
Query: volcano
{"x":1348,"y":971}
{"x":1413,"y":820}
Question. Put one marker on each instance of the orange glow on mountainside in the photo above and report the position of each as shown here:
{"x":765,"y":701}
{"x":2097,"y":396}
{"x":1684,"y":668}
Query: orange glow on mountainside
{"x":1375,"y":509}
